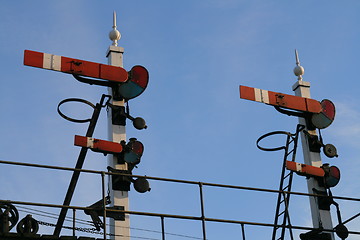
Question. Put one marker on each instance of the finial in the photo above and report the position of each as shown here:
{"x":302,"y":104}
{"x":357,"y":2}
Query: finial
{"x":298,"y":70}
{"x":114,"y":35}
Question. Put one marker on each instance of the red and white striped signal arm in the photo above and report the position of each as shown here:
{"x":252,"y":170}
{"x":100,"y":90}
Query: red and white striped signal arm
{"x":75,"y":66}
{"x":280,"y":99}
{"x":304,"y":169}
{"x":98,"y":145}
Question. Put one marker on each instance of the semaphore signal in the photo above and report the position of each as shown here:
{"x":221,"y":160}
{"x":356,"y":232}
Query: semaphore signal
{"x":312,"y":115}
{"x":122,"y":86}
{"x":74,"y":66}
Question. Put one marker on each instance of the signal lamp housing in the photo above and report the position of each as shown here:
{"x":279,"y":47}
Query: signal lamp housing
{"x":139,"y":123}
{"x":326,"y":116}
{"x":136,"y":84}
{"x":332,"y":175}
{"x":142,"y":185}
{"x":330,"y":150}
{"x":133,"y":151}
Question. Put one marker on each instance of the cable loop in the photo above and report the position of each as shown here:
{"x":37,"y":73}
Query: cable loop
{"x":270,"y":134}
{"x":74,"y":100}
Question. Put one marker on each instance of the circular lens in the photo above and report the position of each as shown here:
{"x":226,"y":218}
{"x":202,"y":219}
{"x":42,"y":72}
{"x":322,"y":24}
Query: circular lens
{"x":326,"y":116}
{"x":333,"y":177}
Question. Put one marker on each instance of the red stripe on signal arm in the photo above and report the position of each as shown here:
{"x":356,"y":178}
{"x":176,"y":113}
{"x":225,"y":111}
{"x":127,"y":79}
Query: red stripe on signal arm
{"x":98,"y":145}
{"x":80,"y":141}
{"x":284,"y":100}
{"x":303,"y":169}
{"x":33,"y":59}
{"x":80,"y":67}
{"x":247,"y":93}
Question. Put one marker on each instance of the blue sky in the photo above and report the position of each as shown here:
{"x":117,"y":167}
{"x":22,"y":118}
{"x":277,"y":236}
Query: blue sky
{"x":197,"y":54}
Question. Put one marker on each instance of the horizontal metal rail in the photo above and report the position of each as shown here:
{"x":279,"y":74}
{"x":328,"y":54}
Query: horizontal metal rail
{"x":174,"y":180}
{"x":162,"y":215}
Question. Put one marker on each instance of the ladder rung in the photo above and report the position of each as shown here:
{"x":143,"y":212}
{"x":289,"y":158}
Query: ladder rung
{"x":281,"y":213}
{"x":287,"y":175}
{"x":287,"y":154}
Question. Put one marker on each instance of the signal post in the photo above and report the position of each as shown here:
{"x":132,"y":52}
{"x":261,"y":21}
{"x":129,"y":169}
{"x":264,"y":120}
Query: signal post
{"x":116,"y":130}
{"x":321,"y":218}
{"x":312,"y":115}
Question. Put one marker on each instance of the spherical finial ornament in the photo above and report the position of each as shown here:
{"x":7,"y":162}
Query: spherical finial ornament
{"x":299,"y":70}
{"x":114,"y":35}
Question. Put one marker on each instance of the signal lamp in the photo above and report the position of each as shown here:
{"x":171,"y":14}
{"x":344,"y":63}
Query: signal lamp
{"x":326,"y":116}
{"x":139,"y":123}
{"x":341,"y":231}
{"x":330,"y":151}
{"x":332,"y":175}
{"x":142,"y":185}
{"x":133,"y":151}
{"x":136,"y":84}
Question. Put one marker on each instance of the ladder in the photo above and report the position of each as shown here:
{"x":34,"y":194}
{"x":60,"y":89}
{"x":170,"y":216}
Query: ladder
{"x":282,"y":217}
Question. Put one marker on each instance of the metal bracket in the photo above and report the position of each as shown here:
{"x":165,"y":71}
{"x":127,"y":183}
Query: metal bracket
{"x":291,"y":113}
{"x":94,"y":82}
{"x":120,"y":182}
{"x":314,"y":143}
{"x":324,"y":201}
{"x":120,"y":216}
{"x":114,"y":86}
{"x":315,"y":234}
{"x":118,"y":114}
{"x":280,"y":99}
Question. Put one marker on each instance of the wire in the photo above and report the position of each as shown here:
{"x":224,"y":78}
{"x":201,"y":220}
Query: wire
{"x":52,"y":215}
{"x":85,"y":222}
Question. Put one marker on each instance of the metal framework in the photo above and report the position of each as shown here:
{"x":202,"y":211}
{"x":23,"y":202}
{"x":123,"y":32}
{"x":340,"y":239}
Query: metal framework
{"x":163,"y":216}
{"x":282,"y":216}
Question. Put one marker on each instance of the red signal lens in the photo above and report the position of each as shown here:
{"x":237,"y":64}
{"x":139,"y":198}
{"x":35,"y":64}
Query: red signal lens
{"x":328,"y":108}
{"x":136,"y":84}
{"x":332,"y":177}
{"x":133,"y":152}
{"x":326,"y":116}
{"x":140,"y":76}
{"x":137,"y":147}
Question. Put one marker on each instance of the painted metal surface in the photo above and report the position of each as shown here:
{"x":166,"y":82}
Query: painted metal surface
{"x":120,"y":229}
{"x":75,"y":66}
{"x":97,"y":145}
{"x":304,"y":169}
{"x":320,"y":218}
{"x":280,"y":99}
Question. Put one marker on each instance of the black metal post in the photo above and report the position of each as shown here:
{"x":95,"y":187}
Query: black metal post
{"x":162,"y":228}
{"x":79,"y":165}
{"x":202,"y":210}
{"x":243,"y":231}
{"x":74,"y":215}
{"x":104,"y":201}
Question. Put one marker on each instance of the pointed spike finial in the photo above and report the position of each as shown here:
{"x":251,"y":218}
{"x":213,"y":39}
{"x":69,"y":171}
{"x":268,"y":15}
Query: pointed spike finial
{"x":298,"y":70}
{"x":297,"y":58}
{"x":114,"y":20}
{"x":114,"y":35}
